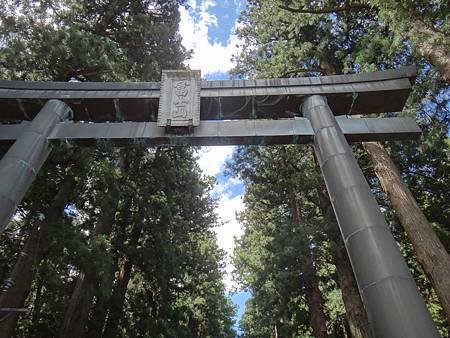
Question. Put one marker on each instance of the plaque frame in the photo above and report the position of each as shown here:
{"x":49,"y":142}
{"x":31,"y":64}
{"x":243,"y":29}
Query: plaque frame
{"x":179,"y":104}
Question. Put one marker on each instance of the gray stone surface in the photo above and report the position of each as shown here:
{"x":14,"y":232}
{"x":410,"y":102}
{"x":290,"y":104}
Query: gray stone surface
{"x":223,"y":132}
{"x":364,"y":93}
{"x":179,"y":102}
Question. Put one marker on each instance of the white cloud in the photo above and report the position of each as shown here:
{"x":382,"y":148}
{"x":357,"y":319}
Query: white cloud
{"x":212,"y":159}
{"x":227,"y":210}
{"x":209,"y":57}
{"x":225,"y":188}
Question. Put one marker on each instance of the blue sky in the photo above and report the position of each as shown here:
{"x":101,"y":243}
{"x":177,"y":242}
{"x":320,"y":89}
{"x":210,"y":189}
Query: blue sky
{"x":208,"y":27}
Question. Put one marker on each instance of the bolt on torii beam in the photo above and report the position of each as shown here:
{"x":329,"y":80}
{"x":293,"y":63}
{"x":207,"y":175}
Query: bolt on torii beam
{"x":183,"y":110}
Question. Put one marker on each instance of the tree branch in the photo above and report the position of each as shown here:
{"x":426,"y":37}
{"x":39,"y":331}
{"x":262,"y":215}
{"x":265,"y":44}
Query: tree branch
{"x":347,"y":8}
{"x":87,"y":72}
{"x":302,"y":70}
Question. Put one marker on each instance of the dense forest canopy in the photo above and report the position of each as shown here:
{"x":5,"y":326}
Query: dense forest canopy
{"x":108,"y":242}
{"x":120,"y":242}
{"x":291,"y":257}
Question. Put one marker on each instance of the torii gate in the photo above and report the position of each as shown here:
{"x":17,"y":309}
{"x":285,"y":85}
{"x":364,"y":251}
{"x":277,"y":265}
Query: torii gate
{"x":183,"y":110}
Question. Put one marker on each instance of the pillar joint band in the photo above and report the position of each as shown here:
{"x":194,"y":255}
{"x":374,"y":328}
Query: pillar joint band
{"x":384,"y":279}
{"x":380,"y":226}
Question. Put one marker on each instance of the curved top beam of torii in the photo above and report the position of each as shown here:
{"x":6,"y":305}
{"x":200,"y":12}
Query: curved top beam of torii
{"x":230,"y":112}
{"x":363,"y":93}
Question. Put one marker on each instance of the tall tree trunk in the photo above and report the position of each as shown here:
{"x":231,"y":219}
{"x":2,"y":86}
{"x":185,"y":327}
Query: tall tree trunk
{"x":22,"y":274}
{"x":118,"y":300}
{"x":80,"y":302}
{"x":429,"y":250}
{"x":317,"y":319}
{"x":37,"y":305}
{"x":97,"y":322}
{"x":356,"y":315}
{"x":100,"y":311}
{"x":77,"y":313}
{"x":438,"y":57}
{"x":120,"y":289}
{"x":428,"y":43}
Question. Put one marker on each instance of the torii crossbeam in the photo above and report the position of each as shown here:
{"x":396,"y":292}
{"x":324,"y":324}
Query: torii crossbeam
{"x":183,"y":110}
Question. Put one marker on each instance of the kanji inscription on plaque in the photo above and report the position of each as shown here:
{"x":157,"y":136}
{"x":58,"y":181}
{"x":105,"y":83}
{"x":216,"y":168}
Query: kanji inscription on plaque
{"x":179,"y":103}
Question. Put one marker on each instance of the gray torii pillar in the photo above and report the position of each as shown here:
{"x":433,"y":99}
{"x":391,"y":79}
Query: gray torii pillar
{"x":20,"y":164}
{"x":392,"y":300}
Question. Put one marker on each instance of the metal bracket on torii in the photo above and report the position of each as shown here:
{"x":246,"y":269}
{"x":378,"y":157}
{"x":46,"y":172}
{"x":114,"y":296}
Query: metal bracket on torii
{"x":183,"y":110}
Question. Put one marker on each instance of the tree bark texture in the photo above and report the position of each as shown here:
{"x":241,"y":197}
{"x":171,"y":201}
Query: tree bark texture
{"x":429,"y":250}
{"x":436,"y":53}
{"x":120,"y":289}
{"x":355,"y":313}
{"x":22,"y":274}
{"x":118,"y":300}
{"x":317,"y":318}
{"x":77,"y":313}
{"x":100,"y":311}
{"x":37,"y":304}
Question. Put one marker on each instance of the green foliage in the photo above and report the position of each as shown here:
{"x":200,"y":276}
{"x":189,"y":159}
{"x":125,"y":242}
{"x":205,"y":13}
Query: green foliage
{"x":90,"y":40}
{"x":138,"y":222}
{"x":292,"y":38}
{"x":272,"y":256}
{"x":176,"y":260}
